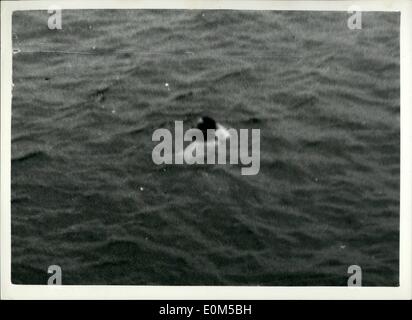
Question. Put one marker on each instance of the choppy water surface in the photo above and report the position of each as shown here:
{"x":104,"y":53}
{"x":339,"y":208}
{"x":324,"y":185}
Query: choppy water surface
{"x":87,"y":196}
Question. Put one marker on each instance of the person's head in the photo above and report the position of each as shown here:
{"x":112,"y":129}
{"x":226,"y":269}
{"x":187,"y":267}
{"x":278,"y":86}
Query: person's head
{"x":204,"y":124}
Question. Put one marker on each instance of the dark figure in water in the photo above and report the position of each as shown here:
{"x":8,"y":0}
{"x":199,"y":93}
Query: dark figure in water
{"x":204,"y":124}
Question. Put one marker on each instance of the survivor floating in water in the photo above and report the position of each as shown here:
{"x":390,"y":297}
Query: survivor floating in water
{"x":206,"y":140}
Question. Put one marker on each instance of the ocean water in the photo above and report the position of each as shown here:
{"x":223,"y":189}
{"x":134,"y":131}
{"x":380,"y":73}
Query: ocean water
{"x":87,"y":196}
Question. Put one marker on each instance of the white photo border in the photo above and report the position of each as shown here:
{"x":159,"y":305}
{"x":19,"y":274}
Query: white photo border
{"x":37,"y":292}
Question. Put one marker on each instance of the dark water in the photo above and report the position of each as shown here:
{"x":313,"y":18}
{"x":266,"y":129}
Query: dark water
{"x":87,"y":197}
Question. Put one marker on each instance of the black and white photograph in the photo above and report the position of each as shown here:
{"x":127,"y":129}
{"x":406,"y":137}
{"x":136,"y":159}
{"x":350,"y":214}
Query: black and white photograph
{"x":205,"y":147}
